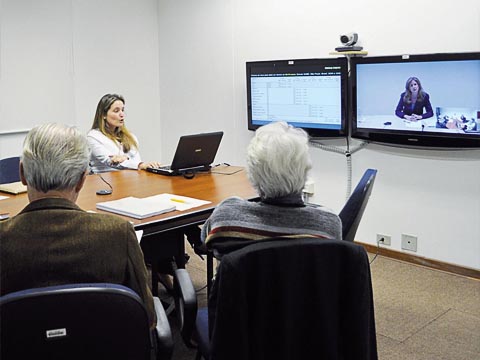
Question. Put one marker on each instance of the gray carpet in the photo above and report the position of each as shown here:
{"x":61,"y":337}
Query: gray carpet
{"x":421,"y":314}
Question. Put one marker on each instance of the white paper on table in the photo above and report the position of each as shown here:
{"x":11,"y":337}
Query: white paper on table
{"x":182,"y":203}
{"x":138,"y":208}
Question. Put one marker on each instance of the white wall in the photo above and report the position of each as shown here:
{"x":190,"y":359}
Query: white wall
{"x":58,"y":58}
{"x":181,"y":67}
{"x":196,"y":72}
{"x":432,"y":194}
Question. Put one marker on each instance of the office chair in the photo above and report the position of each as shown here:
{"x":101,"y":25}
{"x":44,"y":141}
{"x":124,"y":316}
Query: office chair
{"x":353,"y":210}
{"x":82,"y":321}
{"x":284,"y":299}
{"x":10,"y":170}
{"x":351,"y":214}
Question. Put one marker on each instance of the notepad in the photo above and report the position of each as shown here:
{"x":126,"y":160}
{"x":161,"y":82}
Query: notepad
{"x":137,"y":208}
{"x":181,"y":203}
{"x":13,"y":188}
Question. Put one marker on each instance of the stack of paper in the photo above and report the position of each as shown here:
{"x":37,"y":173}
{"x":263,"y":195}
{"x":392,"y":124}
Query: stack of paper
{"x":136,"y":207}
{"x":13,"y":188}
{"x":181,"y":202}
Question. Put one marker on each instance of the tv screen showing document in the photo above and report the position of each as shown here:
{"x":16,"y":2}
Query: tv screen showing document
{"x":307,"y":93}
{"x":430,"y":100}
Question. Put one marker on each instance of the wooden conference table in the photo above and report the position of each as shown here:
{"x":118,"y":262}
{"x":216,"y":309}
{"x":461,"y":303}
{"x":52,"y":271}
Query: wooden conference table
{"x":164,"y":233}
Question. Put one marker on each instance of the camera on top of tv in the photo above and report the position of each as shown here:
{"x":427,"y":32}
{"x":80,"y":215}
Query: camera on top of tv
{"x":348,"y":41}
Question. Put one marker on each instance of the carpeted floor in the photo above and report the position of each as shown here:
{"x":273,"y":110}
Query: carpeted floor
{"x":421,"y":314}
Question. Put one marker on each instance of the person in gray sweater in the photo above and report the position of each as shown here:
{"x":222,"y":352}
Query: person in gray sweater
{"x":278,"y":163}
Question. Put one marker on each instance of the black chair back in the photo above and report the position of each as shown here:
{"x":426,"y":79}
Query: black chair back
{"x":353,"y":210}
{"x":10,"y":170}
{"x":288,"y":299}
{"x":80,"y":321}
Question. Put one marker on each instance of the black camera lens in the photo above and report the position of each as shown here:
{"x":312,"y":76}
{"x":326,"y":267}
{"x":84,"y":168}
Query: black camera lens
{"x":344,"y":39}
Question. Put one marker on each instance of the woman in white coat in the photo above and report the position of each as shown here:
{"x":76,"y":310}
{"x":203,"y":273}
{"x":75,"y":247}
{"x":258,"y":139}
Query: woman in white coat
{"x":112,"y":146}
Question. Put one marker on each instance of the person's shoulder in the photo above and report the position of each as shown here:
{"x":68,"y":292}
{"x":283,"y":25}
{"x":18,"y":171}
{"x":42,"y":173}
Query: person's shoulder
{"x":320,"y":208}
{"x":229,"y":205}
{"x":107,"y":221}
{"x":95,"y":133}
{"x":232,"y":201}
{"x":6,"y":225}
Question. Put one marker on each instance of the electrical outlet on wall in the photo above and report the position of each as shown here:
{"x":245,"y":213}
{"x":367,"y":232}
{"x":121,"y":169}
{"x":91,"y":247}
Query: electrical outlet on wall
{"x":383,"y":239}
{"x":409,"y":242}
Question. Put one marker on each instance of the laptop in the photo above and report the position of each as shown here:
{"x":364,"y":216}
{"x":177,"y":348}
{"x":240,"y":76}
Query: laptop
{"x":194,"y":153}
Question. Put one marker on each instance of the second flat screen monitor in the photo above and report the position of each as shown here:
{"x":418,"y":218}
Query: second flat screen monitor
{"x":425,"y":100}
{"x":307,"y":93}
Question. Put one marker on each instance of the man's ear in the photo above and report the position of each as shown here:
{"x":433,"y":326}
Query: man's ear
{"x":22,"y":174}
{"x":80,"y":184}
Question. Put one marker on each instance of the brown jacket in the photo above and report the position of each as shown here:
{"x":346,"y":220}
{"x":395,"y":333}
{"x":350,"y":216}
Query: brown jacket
{"x":52,"y":242}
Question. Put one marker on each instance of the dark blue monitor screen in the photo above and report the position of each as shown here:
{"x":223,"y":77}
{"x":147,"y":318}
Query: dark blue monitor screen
{"x":308,"y":93}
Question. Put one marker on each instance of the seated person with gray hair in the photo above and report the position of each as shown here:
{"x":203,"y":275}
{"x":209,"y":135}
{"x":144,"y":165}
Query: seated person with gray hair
{"x":278,"y":162}
{"x":54,"y":242}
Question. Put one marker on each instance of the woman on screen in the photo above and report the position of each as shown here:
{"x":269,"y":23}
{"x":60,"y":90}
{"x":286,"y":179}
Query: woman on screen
{"x":112,"y":145}
{"x":413,"y":102}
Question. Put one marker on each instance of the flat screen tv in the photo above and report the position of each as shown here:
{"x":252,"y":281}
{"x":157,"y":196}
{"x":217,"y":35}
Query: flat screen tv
{"x":306,"y":93}
{"x":430,"y":100}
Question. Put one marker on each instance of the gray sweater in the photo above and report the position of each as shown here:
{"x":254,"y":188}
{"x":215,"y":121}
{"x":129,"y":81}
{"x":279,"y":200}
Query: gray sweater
{"x":288,"y":217}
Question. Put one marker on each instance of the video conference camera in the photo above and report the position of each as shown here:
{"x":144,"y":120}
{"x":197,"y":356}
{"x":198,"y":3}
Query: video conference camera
{"x":348,"y":41}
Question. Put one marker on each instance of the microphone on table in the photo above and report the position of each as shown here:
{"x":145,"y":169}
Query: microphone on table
{"x":104,"y":191}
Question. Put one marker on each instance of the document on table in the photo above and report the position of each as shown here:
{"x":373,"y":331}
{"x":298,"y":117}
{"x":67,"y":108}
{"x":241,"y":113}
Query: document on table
{"x":137,"y":208}
{"x":13,"y":188}
{"x":141,"y":208}
{"x":181,"y":202}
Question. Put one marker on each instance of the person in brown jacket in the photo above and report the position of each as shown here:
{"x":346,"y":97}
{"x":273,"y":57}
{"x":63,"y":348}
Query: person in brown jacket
{"x":54,"y":242}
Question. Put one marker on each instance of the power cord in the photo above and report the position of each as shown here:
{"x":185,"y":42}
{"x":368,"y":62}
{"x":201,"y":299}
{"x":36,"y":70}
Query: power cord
{"x":235,"y":170}
{"x":105,"y":181}
{"x":348,"y":155}
{"x":378,"y":249}
{"x":202,"y":288}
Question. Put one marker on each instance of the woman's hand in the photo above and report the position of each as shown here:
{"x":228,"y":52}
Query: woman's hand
{"x":117,"y":159}
{"x":413,"y":117}
{"x":144,"y":165}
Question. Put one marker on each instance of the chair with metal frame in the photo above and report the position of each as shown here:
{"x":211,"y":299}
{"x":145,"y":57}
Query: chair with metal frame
{"x":351,"y":214}
{"x":353,"y":210}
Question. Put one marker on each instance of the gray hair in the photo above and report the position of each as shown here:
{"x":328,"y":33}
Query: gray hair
{"x":278,"y":160}
{"x":55,"y":157}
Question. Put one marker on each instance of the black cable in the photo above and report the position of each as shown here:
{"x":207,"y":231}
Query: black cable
{"x":378,"y":249}
{"x":213,"y":171}
{"x":105,"y":181}
{"x":202,"y":288}
{"x":104,"y":191}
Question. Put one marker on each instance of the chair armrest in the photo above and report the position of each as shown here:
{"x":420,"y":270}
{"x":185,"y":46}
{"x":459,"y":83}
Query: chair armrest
{"x":163,"y":332}
{"x":185,"y":305}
